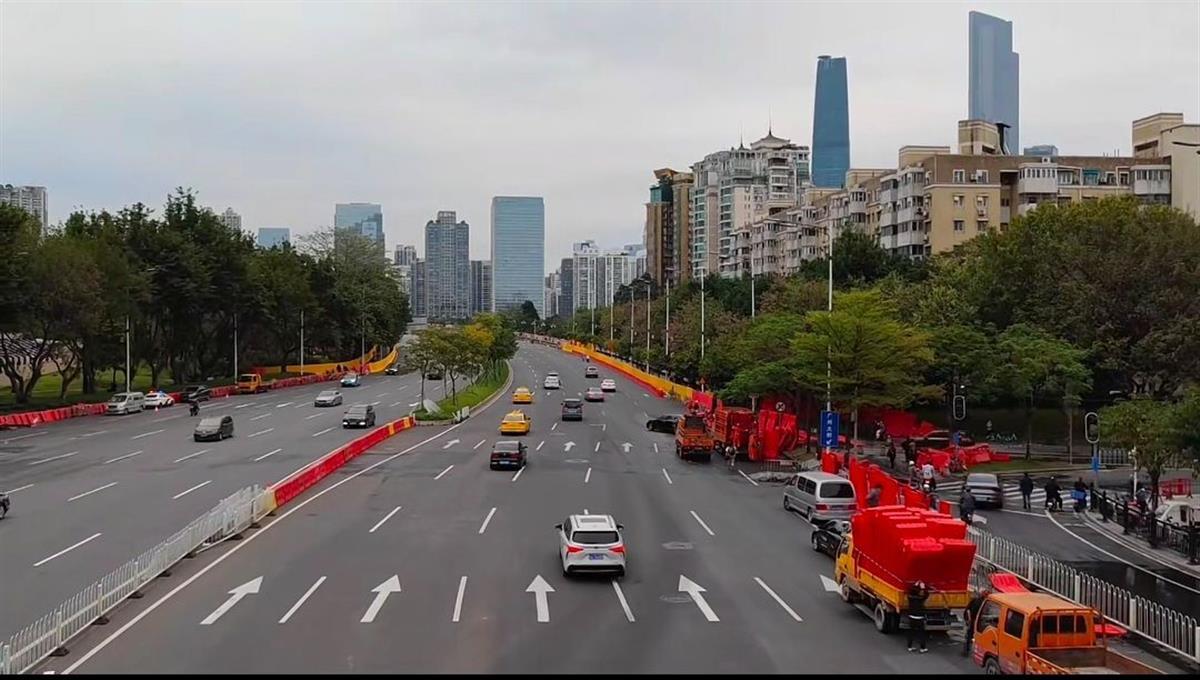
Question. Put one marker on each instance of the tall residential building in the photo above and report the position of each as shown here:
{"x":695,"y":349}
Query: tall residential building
{"x":551,"y":292}
{"x":231,"y":219}
{"x":405,"y":255}
{"x":447,"y":268}
{"x":735,"y":187}
{"x":270,"y":237}
{"x":365,"y":219}
{"x":416,"y":296}
{"x":30,"y":199}
{"x":481,"y":286}
{"x":993,"y":92}
{"x":597,"y":275}
{"x":518,"y":252}
{"x":1166,"y":135}
{"x":584,"y":272}
{"x":831,"y":124}
{"x":566,"y":287}
{"x":668,"y":233}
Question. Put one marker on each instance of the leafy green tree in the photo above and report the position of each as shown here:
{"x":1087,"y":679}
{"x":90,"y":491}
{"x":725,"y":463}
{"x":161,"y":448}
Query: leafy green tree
{"x":1147,"y":428}
{"x":1037,"y":363}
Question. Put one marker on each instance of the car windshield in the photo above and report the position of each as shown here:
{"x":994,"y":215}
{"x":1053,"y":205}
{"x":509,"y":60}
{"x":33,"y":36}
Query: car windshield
{"x":357,"y":411}
{"x":507,"y":447}
{"x":514,"y":418}
{"x":120,"y":396}
{"x":572,"y":403}
{"x":694,"y":422}
{"x":327,"y":394}
{"x":193,"y":388}
{"x":351,"y":376}
{"x":982,"y":479}
{"x":247,"y":377}
{"x":594,"y":537}
{"x":210,"y":422}
{"x":837,"y":490}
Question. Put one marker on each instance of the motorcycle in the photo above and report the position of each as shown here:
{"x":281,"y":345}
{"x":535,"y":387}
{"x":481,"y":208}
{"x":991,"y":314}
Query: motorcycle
{"x":4,"y":503}
{"x":194,"y":408}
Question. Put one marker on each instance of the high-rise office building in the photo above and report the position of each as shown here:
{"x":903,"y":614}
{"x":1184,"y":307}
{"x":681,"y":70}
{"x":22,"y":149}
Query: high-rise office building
{"x":447,"y":268}
{"x":416,"y":296}
{"x":31,"y":199}
{"x":365,"y":219}
{"x":668,"y":234}
{"x":481,"y":286}
{"x":271,"y":237}
{"x":231,"y":219}
{"x":518,"y":251}
{"x":831,"y":124}
{"x":405,"y":255}
{"x":993,"y":92}
{"x":566,"y":287}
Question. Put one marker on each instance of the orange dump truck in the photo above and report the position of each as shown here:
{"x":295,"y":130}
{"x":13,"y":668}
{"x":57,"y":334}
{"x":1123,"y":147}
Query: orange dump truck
{"x":692,"y":438}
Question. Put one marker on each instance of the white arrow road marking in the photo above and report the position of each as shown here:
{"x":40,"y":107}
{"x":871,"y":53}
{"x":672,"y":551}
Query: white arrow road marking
{"x":201,"y":452}
{"x":710,"y":531}
{"x":382,"y":591}
{"x":486,"y":520}
{"x":778,"y":599}
{"x":89,"y":493}
{"x":312,"y":589}
{"x":540,"y":445}
{"x":269,"y":429}
{"x":59,"y":457}
{"x":540,"y":588}
{"x":181,"y":495}
{"x":267,"y":455}
{"x":747,"y":478}
{"x":19,"y":488}
{"x":235,"y":596}
{"x":448,"y":444}
{"x":597,"y":447}
{"x":64,"y":551}
{"x":568,"y":446}
{"x":587,"y":476}
{"x":265,"y":415}
{"x":318,"y":434}
{"x":439,"y":475}
{"x":656,"y":447}
{"x":481,"y":442}
{"x":829,"y":584}
{"x":621,"y":596}
{"x":518,"y":473}
{"x":695,"y":590}
{"x":385,"y":518}
{"x":667,"y":476}
{"x":458,"y":599}
{"x":626,"y":446}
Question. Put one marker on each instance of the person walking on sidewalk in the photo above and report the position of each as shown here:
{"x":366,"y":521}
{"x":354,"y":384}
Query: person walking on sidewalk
{"x":1026,"y":485}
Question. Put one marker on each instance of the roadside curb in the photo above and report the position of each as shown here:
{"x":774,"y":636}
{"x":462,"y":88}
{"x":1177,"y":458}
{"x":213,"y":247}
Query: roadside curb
{"x":1166,"y":559}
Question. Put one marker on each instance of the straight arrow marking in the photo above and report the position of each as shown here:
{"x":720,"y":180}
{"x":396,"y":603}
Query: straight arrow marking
{"x":235,"y":596}
{"x":540,"y":588}
{"x":382,"y":591}
{"x":695,"y":590}
{"x":450,"y":443}
{"x":829,"y":584}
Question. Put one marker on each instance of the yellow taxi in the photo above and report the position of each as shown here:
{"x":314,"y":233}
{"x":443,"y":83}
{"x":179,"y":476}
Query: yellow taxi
{"x":516,"y":422}
{"x":522,"y":395}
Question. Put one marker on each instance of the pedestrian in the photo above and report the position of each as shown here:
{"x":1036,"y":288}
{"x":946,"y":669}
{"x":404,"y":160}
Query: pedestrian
{"x":914,"y":476}
{"x":1026,"y":485}
{"x":917,"y":595}
{"x":891,"y":453}
{"x":873,"y":496}
{"x":966,"y":507}
{"x":969,"y":617}
{"x":910,"y":451}
{"x":989,"y":427}
{"x":927,"y":471}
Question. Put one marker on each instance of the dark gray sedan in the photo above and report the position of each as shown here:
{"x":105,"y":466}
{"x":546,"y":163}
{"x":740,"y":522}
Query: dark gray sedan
{"x":213,"y":428}
{"x":359,"y":415}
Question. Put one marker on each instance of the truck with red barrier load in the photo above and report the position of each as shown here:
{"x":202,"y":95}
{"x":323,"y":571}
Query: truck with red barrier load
{"x":891,"y":549}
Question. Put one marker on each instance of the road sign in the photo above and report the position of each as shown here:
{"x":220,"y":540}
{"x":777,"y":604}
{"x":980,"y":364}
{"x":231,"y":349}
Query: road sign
{"x":830,"y":426}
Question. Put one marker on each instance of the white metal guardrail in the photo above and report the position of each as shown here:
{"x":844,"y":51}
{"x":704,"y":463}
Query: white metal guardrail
{"x":50,"y":633}
{"x":1167,"y":627}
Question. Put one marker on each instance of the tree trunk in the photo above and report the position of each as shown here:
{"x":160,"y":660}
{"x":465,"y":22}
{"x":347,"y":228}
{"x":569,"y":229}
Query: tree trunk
{"x":1070,"y":435}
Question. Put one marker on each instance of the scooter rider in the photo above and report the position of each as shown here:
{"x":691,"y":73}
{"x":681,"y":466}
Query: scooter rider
{"x":4,"y":503}
{"x":193,"y":408}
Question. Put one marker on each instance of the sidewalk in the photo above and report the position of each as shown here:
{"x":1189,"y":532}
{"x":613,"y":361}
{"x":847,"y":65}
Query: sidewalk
{"x":1133,"y":542}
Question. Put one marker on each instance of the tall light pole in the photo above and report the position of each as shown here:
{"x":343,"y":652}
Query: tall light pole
{"x":301,"y":342}
{"x":751,"y":282}
{"x":702,"y":277}
{"x":829,"y":348}
{"x":647,"y":326}
{"x":127,"y":352}
{"x":235,"y":347}
{"x":667,"y":324}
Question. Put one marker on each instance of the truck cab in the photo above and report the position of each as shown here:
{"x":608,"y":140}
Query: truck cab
{"x":250,"y":383}
{"x":1038,"y":633}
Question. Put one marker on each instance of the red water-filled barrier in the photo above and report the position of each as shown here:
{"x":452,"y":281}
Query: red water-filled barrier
{"x":298,"y":482}
{"x":914,"y":544}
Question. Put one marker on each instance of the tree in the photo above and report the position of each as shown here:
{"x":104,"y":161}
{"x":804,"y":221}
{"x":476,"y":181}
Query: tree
{"x":1147,"y":429}
{"x":964,"y":356}
{"x":421,"y":356}
{"x":1038,"y":363}
{"x":858,"y":260}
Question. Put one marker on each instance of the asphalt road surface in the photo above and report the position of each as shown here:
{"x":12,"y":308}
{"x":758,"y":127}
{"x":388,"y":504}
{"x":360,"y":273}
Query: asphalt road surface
{"x":90,"y":493}
{"x":418,"y":558}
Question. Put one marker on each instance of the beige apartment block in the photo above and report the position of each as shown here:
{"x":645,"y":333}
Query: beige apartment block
{"x":1165,"y":135}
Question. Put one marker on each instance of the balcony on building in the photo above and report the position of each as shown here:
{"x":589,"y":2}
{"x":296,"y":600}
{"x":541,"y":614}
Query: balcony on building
{"x":1151,"y":180}
{"x":1038,"y":178}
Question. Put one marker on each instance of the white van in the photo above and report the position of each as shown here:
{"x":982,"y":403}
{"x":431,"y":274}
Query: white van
{"x":126,"y":402}
{"x":819,"y":496}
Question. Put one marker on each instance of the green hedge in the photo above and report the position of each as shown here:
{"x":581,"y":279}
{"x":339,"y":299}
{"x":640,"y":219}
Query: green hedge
{"x":483,"y":388}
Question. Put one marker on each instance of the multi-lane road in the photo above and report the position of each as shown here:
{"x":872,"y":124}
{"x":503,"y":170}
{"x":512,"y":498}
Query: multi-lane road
{"x":418,"y":558}
{"x":89,"y":494}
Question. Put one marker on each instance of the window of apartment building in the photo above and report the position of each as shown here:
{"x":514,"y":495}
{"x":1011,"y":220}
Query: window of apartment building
{"x":1004,"y":203}
{"x":959,"y":226}
{"x":981,"y":202}
{"x":981,"y":225}
{"x":981,"y":176}
{"x":1110,"y":177}
{"x":1124,"y":178}
{"x":958,"y":200}
{"x":960,"y":176}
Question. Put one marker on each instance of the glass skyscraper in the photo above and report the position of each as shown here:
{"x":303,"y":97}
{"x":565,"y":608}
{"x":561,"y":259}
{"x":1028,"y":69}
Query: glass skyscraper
{"x":518,"y":252}
{"x":360,"y":218}
{"x":270,"y":237}
{"x":831,"y":124}
{"x":994,"y":75}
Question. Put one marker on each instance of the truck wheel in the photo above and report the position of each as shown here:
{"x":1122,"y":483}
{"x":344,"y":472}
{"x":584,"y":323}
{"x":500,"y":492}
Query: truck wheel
{"x":846,"y":593}
{"x":885,"y":621}
{"x":992,"y":666}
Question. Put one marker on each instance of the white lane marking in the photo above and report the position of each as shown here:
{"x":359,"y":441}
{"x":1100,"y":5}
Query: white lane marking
{"x":286,"y":403}
{"x":64,"y":551}
{"x":131,"y":454}
{"x":554,"y":426}
{"x":540,"y":445}
{"x":483,"y":527}
{"x":93,"y":434}
{"x":318,"y":434}
{"x":458,"y":599}
{"x":778,"y":599}
{"x":88,"y":493}
{"x":540,"y":589}
{"x":829,"y":584}
{"x":269,"y":429}
{"x":394,"y":404}
{"x":587,"y":477}
{"x":747,"y":478}
{"x":315,"y":415}
{"x":385,"y":518}
{"x":86,"y":656}
{"x":518,"y":473}
{"x":201,"y":452}
{"x":604,"y":427}
{"x":267,"y":455}
{"x":621,"y":596}
{"x":181,"y":495}
{"x":415,"y":403}
{"x":383,"y":394}
{"x":710,"y":531}
{"x":450,"y":443}
{"x":301,"y":405}
{"x":597,"y":447}
{"x":159,"y":420}
{"x":235,"y":596}
{"x":667,"y":476}
{"x":645,"y":395}
{"x":1118,"y":557}
{"x":242,"y":406}
{"x":265,"y":415}
{"x":481,"y":442}
{"x":695,"y":590}
{"x":382,"y":591}
{"x":19,"y":488}
{"x":27,"y":436}
{"x":439,"y":475}
{"x":374,"y":403}
{"x":656,"y":447}
{"x":312,"y":589}
{"x":145,"y":434}
{"x":47,"y":460}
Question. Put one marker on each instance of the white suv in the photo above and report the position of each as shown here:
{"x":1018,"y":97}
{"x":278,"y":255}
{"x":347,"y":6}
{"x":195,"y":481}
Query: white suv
{"x":591,"y":543}
{"x":551,"y":382}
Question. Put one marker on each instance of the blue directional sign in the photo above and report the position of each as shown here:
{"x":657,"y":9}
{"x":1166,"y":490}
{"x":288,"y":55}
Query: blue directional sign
{"x":830,"y":425}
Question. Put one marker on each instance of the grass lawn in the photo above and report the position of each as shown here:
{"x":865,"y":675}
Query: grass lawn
{"x":45,"y":393}
{"x":487,"y":385}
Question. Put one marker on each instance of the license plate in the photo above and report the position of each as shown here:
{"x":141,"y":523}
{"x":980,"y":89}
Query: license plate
{"x":595,"y":556}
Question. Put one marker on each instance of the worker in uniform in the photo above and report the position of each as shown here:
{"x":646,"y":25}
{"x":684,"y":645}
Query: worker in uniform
{"x":917,"y":595}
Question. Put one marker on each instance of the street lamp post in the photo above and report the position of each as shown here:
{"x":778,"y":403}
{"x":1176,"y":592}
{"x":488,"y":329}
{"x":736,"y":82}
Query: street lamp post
{"x":667,"y":324}
{"x":235,"y":346}
{"x":702,"y":316}
{"x":301,"y":342}
{"x":829,"y":349}
{"x":127,"y":352}
{"x":647,"y":326}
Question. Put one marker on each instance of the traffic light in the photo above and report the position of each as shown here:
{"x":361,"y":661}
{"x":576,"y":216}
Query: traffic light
{"x":960,"y":407}
{"x":1091,"y":427}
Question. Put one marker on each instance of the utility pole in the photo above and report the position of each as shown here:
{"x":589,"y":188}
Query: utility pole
{"x":235,"y":347}
{"x":702,"y":316}
{"x":667,"y":324}
{"x":128,"y":329}
{"x":829,"y":349}
{"x":647,"y":326}
{"x":301,"y":342}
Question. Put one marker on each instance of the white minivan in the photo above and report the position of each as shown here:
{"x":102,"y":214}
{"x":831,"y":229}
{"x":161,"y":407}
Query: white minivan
{"x":820,"y":496}
{"x":126,"y":402}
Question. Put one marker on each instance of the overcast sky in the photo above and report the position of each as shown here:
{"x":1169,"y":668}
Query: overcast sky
{"x":282,"y":109}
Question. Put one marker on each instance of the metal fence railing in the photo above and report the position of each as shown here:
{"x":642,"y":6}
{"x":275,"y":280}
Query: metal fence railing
{"x":1136,"y":519}
{"x":1169,"y":628}
{"x":49,"y":634}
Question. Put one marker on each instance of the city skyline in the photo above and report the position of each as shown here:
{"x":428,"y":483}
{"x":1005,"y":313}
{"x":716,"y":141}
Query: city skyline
{"x":287,"y":149}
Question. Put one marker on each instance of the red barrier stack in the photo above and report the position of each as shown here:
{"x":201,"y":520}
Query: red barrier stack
{"x":912,"y":544}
